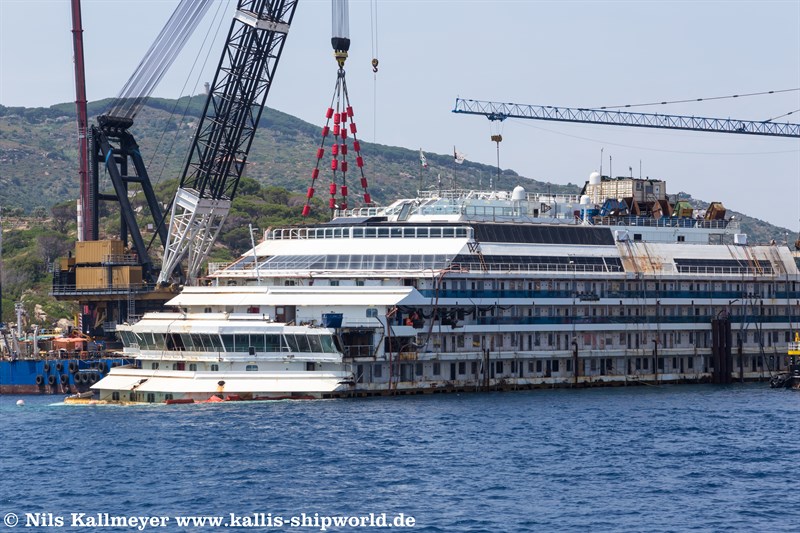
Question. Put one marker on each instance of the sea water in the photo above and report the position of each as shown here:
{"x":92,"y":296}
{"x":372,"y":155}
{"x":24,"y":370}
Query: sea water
{"x":668,"y":458}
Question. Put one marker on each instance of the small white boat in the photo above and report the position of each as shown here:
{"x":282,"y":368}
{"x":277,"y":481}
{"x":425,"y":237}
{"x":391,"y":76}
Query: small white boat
{"x":200,"y":357}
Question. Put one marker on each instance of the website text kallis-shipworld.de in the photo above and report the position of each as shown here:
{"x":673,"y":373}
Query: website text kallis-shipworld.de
{"x":231,"y":520}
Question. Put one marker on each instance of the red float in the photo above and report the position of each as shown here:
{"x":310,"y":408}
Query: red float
{"x":315,"y":174}
{"x":344,"y":190}
{"x":329,"y":112}
{"x":306,"y":210}
{"x":356,"y":145}
{"x":310,"y":193}
{"x":320,"y":153}
{"x":367,"y":198}
{"x":353,"y":128}
{"x":334,"y":164}
{"x":333,"y":189}
{"x":344,"y":166}
{"x":359,"y":161}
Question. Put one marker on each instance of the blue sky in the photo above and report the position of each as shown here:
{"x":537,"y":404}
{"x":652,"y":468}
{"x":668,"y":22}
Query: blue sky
{"x":580,"y":54}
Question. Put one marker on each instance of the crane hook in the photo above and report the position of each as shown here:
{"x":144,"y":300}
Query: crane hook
{"x":374,"y":64}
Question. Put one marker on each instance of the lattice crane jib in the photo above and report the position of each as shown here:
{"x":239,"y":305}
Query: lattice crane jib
{"x":502,"y":111}
{"x":225,"y":133}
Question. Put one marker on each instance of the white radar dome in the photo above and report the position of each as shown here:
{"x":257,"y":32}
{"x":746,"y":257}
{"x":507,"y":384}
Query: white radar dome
{"x":594,"y":178}
{"x":585,"y":200}
{"x":518,"y":194}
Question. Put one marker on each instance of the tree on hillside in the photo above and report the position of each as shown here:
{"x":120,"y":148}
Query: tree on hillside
{"x":63,"y":215}
{"x":51,"y":246}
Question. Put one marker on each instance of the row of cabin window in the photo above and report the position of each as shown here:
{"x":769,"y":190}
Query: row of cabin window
{"x":201,"y":342}
{"x":499,"y":367}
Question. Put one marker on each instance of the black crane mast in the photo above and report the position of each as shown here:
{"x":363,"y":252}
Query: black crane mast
{"x":225,"y":133}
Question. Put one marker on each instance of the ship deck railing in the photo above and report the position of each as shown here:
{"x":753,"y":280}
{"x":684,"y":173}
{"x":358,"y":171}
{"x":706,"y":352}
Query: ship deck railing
{"x":541,"y":291}
{"x":122,"y":289}
{"x":371,"y":232}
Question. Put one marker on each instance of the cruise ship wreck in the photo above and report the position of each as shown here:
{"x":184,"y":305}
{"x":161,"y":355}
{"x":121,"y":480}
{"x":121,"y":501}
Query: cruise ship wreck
{"x":469,"y":290}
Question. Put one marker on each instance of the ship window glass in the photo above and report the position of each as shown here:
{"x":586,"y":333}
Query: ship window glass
{"x":302,"y":343}
{"x":242,"y":343}
{"x":197,"y":339}
{"x":215,"y":367}
{"x":227,"y":341}
{"x":251,"y":368}
{"x":555,"y":365}
{"x":499,"y":367}
{"x":383,"y":232}
{"x":151,"y":397}
{"x":124,"y":338}
{"x":213,"y":343}
{"x":370,"y":232}
{"x":187,"y":342}
{"x":314,"y":343}
{"x":408,"y":232}
{"x":435,"y":232}
{"x":272,"y":343}
{"x":291,"y":342}
{"x":474,"y":367}
{"x":437,"y":369}
{"x":448,"y":232}
{"x":422,"y":233}
{"x":193,"y":367}
{"x":462,"y":367}
{"x":115,"y":396}
{"x":154,"y":366}
{"x":327,"y":343}
{"x":377,"y":371}
{"x":418,"y":369}
{"x":257,"y":341}
{"x":358,"y":233}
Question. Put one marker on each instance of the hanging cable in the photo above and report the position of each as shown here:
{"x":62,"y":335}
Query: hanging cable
{"x":781,"y":116}
{"x":215,"y":20}
{"x":159,"y":57}
{"x":696,"y":99}
{"x":340,"y":113}
{"x":373,"y":23}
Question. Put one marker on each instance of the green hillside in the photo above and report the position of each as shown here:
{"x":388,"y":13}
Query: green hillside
{"x":38,"y":185}
{"x":38,"y":151}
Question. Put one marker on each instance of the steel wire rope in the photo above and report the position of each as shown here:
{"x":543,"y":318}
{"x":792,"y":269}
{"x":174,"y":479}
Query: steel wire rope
{"x":156,"y":62}
{"x":194,"y":88}
{"x":183,"y":117}
{"x":159,"y":57}
{"x":523,"y":122}
{"x":373,"y":23}
{"x":688,"y":100}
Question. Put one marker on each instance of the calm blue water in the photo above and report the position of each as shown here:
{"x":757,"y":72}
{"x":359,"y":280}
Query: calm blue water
{"x":697,"y":458}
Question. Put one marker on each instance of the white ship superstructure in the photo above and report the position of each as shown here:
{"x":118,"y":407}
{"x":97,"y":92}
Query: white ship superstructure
{"x":467,"y":290}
